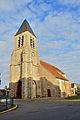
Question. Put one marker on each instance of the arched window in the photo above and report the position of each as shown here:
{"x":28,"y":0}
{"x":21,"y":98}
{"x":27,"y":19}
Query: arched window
{"x":32,"y":44}
{"x":22,"y":41}
{"x":19,"y":42}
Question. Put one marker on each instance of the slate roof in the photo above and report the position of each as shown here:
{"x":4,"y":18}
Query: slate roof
{"x":25,"y":27}
{"x":54,"y":70}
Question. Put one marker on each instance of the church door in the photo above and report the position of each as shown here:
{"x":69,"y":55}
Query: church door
{"x":48,"y":93}
{"x":19,"y":90}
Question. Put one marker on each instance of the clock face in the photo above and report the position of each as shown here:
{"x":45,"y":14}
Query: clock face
{"x":32,"y":53}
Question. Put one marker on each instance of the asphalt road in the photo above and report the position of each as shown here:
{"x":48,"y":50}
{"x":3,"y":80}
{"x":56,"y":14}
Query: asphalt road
{"x":44,"y":110}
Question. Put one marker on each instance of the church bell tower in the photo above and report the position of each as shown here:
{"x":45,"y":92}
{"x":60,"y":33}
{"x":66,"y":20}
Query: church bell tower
{"x":24,"y":68}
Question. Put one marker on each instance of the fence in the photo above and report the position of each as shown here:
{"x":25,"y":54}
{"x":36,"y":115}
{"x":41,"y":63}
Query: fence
{"x":6,"y":103}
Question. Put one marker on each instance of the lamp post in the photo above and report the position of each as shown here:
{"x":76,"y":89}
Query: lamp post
{"x":6,"y":89}
{"x":6,"y":98}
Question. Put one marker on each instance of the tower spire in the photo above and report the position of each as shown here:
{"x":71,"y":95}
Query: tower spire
{"x":25,"y":27}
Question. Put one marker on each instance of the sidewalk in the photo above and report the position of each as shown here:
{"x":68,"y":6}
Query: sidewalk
{"x":43,"y":99}
{"x":48,"y":98}
{"x":3,"y":107}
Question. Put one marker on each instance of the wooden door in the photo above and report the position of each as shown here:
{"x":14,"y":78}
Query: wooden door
{"x":48,"y":93}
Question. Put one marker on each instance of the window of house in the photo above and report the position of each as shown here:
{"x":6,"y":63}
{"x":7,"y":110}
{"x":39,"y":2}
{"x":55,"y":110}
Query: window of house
{"x":32,"y":44}
{"x":22,"y":41}
{"x":19,"y":42}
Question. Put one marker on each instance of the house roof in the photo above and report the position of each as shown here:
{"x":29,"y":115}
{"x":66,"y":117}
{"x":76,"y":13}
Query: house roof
{"x":25,"y":27}
{"x":54,"y":70}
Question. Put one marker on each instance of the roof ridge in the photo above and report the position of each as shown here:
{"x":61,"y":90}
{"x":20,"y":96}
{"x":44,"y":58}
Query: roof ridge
{"x":53,"y":70}
{"x":54,"y":67}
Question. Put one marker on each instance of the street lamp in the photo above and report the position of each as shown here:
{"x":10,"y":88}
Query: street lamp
{"x":6,"y":90}
{"x":6,"y":97}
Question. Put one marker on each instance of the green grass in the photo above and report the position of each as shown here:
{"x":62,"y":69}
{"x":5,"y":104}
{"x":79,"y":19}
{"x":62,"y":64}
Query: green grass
{"x":73,"y":97}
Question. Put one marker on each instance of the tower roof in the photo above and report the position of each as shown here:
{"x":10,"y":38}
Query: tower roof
{"x":25,"y":27}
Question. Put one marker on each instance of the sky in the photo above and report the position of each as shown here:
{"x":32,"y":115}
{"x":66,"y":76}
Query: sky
{"x":56,"y":23}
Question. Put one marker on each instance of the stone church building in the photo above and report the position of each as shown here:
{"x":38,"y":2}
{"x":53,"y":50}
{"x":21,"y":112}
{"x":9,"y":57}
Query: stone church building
{"x":31,"y":77}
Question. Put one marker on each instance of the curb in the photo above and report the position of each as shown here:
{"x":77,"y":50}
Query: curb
{"x":9,"y":109}
{"x":50,"y":100}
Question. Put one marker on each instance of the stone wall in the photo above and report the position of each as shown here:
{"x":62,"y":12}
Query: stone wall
{"x":49,"y":82}
{"x":47,"y":85}
{"x":13,"y":89}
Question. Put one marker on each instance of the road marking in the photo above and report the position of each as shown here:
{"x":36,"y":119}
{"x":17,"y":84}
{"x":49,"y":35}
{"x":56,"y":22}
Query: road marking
{"x":49,"y":100}
{"x":9,"y":109}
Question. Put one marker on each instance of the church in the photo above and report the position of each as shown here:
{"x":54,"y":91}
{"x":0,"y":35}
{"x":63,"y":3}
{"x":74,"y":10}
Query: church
{"x":31,"y":77}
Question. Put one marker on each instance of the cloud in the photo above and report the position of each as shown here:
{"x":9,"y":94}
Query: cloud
{"x":68,"y":63}
{"x":57,"y":34}
{"x":62,"y":25}
{"x":70,"y":2}
{"x":6,"y":5}
{"x":76,"y":46}
{"x":12,"y":5}
{"x":2,"y":44}
{"x":56,"y":44}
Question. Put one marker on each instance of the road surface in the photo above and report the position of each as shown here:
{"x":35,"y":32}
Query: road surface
{"x":44,"y":110}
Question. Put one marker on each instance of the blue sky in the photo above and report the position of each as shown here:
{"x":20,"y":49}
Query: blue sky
{"x":56,"y":24}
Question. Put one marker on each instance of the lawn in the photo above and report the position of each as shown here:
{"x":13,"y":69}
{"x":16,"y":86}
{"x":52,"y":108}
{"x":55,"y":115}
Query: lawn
{"x":73,"y":97}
